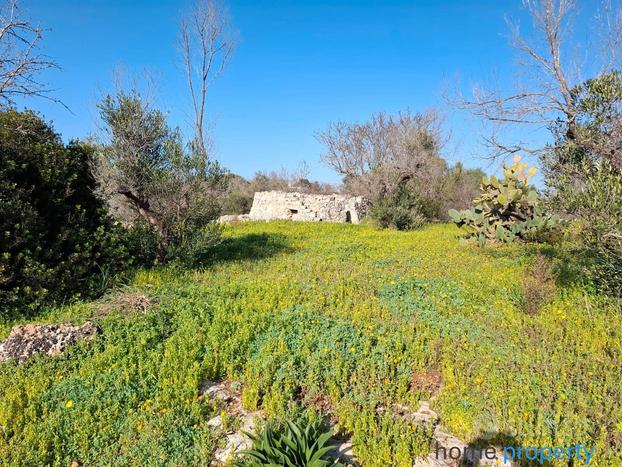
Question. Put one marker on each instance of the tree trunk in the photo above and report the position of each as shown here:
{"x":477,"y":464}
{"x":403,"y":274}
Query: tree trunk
{"x":153,"y":219}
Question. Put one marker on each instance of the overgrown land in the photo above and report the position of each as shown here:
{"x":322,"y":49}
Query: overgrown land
{"x":327,"y":318}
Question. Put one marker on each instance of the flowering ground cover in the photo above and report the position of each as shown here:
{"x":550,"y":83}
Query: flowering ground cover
{"x":324,"y":318}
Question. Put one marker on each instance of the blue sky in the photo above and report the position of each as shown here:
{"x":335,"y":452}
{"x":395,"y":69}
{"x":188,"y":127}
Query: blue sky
{"x":298,"y":66}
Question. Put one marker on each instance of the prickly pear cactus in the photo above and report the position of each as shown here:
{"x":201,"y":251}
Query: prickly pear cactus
{"x":507,"y":209}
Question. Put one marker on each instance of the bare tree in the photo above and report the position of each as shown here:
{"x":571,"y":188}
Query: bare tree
{"x":20,"y":58}
{"x":296,"y":180}
{"x":376,"y":156}
{"x":550,"y":67}
{"x":207,"y":42}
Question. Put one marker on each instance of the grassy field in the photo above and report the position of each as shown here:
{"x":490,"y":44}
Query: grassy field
{"x":339,"y":316}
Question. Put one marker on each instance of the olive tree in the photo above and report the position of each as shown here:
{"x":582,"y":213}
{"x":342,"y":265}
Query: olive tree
{"x":145,"y":168}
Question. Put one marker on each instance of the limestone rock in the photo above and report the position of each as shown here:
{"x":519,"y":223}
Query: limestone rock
{"x":236,"y":442}
{"x":215,"y":423}
{"x":467,"y":455}
{"x":343,"y":452}
{"x":272,"y":205}
{"x":230,"y":218}
{"x":425,"y":414}
{"x":47,"y":339}
{"x":227,"y":394}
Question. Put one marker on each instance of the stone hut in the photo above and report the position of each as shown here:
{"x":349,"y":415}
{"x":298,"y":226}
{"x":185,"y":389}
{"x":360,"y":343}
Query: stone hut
{"x":270,"y":205}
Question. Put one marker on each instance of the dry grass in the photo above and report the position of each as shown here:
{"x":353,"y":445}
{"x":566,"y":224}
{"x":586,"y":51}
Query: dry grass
{"x":538,"y":284}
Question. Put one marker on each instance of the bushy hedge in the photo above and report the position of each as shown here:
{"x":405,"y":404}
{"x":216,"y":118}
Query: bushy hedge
{"x":598,"y":205}
{"x":401,"y":210}
{"x":55,"y":237}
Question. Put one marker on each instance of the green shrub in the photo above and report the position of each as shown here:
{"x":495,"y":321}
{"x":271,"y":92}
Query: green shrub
{"x":56,"y":239}
{"x":507,"y":209}
{"x":141,"y":243}
{"x":192,"y":244}
{"x":236,"y":202}
{"x":401,"y":210}
{"x":584,"y":173}
{"x":294,"y":445}
{"x":598,"y":205}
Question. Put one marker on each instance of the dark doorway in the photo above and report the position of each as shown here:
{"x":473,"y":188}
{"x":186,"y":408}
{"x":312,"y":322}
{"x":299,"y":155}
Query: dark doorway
{"x":348,"y":217}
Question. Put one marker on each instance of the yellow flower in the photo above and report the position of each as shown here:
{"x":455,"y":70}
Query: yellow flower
{"x":69,"y":404}
{"x":139,"y":427}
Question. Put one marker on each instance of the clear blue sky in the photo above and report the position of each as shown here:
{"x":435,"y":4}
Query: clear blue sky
{"x":298,"y":66}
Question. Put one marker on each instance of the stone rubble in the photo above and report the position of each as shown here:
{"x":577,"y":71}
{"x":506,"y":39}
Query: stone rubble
{"x":225,"y":393}
{"x":47,"y":339}
{"x":444,"y":440}
{"x":235,"y":442}
{"x":231,"y":218}
{"x":343,"y":452}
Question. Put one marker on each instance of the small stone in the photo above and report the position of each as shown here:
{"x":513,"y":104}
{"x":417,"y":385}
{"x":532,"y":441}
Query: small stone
{"x":424,"y":414}
{"x":231,"y":218}
{"x":343,"y":453}
{"x":236,"y":442}
{"x":215,"y":422}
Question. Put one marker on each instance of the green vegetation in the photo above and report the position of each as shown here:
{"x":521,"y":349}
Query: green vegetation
{"x":506,"y":209}
{"x":293,"y":445}
{"x":149,"y":176}
{"x":55,"y":237}
{"x":346,"y":315}
{"x":600,"y":227}
{"x":401,"y":210}
{"x":584,"y":171}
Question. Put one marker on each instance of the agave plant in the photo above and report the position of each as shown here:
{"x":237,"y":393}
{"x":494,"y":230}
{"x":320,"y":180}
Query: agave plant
{"x":294,"y":446}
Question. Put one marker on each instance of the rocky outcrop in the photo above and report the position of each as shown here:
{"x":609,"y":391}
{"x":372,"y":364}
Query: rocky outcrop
{"x":447,"y":450}
{"x":227,"y":396}
{"x":47,"y":339}
{"x":273,"y":205}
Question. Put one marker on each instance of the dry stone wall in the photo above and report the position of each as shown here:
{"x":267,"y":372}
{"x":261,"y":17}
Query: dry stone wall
{"x":271,"y":205}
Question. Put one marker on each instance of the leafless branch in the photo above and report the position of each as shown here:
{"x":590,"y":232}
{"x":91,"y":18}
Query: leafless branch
{"x":545,"y":97}
{"x":207,"y":41}
{"x":20,"y":58}
{"x":374,"y":157}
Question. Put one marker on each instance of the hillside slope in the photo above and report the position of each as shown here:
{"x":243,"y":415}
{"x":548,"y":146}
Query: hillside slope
{"x":336,"y":318}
